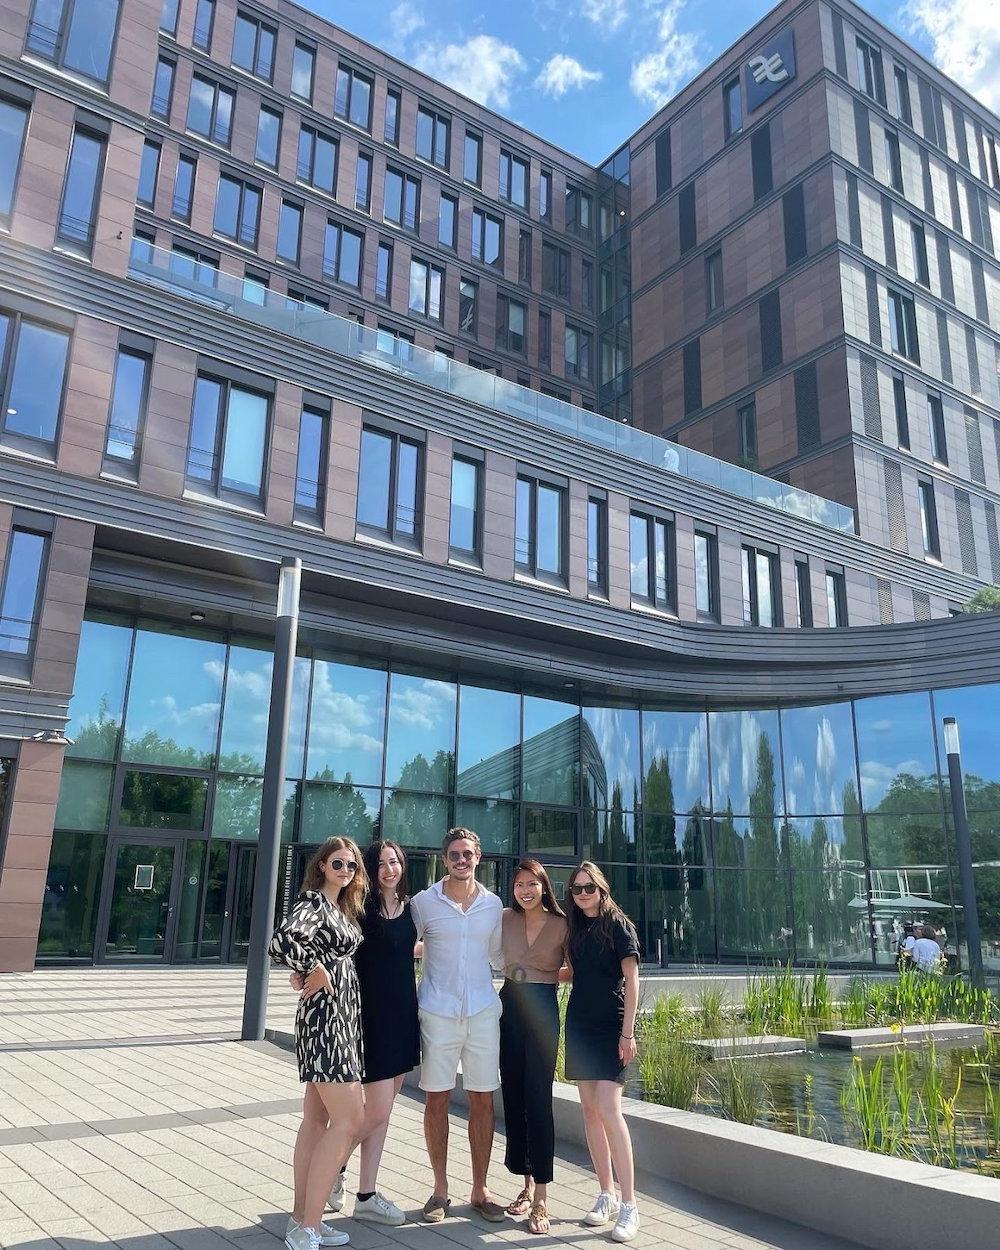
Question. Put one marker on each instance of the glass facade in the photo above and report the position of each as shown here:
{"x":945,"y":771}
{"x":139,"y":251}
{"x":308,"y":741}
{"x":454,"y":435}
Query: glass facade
{"x":800,"y":832}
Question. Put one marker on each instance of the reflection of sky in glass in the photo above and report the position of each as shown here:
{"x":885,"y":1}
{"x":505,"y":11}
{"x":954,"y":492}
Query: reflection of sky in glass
{"x":977,"y":710}
{"x":421,"y":724}
{"x":551,"y":750}
{"x":735,"y":739}
{"x":489,"y":732}
{"x":295,"y":757}
{"x":615,"y":732}
{"x":99,"y":692}
{"x":347,"y":723}
{"x":819,"y":757}
{"x":894,"y":738}
{"x":820,"y":842}
{"x":681,"y":740}
{"x":244,"y":718}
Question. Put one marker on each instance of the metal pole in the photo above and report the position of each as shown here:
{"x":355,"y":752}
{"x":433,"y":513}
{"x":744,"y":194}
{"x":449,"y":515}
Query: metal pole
{"x":265,"y":881}
{"x":963,"y":850}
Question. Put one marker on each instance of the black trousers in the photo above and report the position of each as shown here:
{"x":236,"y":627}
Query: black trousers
{"x":529,"y":1043}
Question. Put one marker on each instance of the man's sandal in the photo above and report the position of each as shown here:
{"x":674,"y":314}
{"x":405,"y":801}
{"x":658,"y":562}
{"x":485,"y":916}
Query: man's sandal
{"x":491,"y":1211}
{"x":435,"y":1209}
{"x":521,"y":1204}
{"x":538,"y":1220}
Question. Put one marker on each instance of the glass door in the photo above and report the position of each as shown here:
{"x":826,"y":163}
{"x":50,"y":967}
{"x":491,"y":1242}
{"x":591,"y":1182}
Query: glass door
{"x":139,"y":900}
{"x":242,"y":904}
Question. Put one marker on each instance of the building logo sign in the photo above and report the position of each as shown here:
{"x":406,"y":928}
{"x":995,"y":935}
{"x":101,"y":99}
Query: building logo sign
{"x":768,"y":70}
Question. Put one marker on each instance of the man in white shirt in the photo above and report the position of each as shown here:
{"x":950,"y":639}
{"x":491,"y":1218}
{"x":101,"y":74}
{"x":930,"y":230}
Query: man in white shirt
{"x":459,"y":920}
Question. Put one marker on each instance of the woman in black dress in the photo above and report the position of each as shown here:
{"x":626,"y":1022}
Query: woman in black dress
{"x":600,"y":1038}
{"x":318,"y":939}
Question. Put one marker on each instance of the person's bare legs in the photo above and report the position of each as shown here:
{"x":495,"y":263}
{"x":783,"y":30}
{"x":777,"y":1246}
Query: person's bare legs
{"x":345,"y":1109}
{"x":379,"y":1097}
{"x":312,"y":1128}
{"x":597,"y":1138}
{"x":616,"y":1134}
{"x":436,"y":1137}
{"x":481,"y":1130}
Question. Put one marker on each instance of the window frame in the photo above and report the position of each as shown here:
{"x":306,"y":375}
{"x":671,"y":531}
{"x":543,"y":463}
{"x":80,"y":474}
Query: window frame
{"x":937,"y":429}
{"x":13,"y":309}
{"x":652,"y":519}
{"x":534,"y":479}
{"x":333,"y":273}
{"x":353,"y":74}
{"x":748,"y":446}
{"x":169,"y":63}
{"x":711,"y":539}
{"x":836,"y":598}
{"x":406,"y":180}
{"x":140,"y":349}
{"x":477,"y":139}
{"x":481,"y":219}
{"x":900,"y":410}
{"x":918,"y":242}
{"x":384,"y":247}
{"x":392,"y":136}
{"x":61,"y":41}
{"x":397,"y":434}
{"x":749,"y":568}
{"x":560,"y":270}
{"x":894,"y":160}
{"x":476,"y":459}
{"x":730,"y":92}
{"x":545,"y":195}
{"x":300,"y":44}
{"x":188,"y":160}
{"x":438,"y":121}
{"x":584,"y":352}
{"x":311,"y":136}
{"x":803,"y":595}
{"x":261,"y":25}
{"x":452,"y":243}
{"x":597,"y":586}
{"x":245,"y":185}
{"x":509,"y":159}
{"x":148,"y":144}
{"x":69,"y":242}
{"x":365,"y":160}
{"x":930,"y":531}
{"x":218,"y":88}
{"x":273,"y":112}
{"x":206,"y":44}
{"x":319,"y":407}
{"x":465,"y":281}
{"x":300,"y":210}
{"x":228,"y":380}
{"x":901,"y":84}
{"x":24,"y":104}
{"x":903,"y":334}
{"x":871,"y":70}
{"x":12,"y":663}
{"x":430,"y":271}
{"x":714,"y":282}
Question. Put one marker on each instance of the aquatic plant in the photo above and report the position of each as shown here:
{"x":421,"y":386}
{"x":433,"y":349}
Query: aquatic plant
{"x":711,"y":1011}
{"x":741,"y":1089}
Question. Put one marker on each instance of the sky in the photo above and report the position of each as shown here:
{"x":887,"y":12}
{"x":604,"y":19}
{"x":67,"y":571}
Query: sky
{"x":585,"y":74}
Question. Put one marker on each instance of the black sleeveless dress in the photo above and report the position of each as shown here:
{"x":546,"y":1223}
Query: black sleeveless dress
{"x":390,"y":1028}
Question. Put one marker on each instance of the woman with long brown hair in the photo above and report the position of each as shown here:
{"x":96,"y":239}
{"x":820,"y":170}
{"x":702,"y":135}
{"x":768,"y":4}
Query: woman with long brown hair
{"x":600,"y":1038}
{"x":533,"y":942}
{"x":318,"y":938}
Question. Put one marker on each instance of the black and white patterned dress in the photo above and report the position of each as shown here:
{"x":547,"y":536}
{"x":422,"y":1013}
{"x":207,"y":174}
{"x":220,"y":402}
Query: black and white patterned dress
{"x":328,"y":1023}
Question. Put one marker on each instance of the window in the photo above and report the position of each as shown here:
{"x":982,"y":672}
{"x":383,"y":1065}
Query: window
{"x":545,"y":195}
{"x":761,"y":165}
{"x":228,"y":439}
{"x":651,"y":560}
{"x":237,"y":210}
{"x":903,"y":325}
{"x":732,"y":108}
{"x":448,"y":221}
{"x":579,"y":349}
{"x":691,"y":357}
{"x":33,"y":360}
{"x":706,"y":574}
{"x":210,"y":110}
{"x":761,"y":598}
{"x":383,"y":271}
{"x":597,"y":545}
{"x":579,"y":211}
{"x":163,"y":88}
{"x":168,"y":16}
{"x":433,"y":136}
{"x":363,"y":182}
{"x":473,"y":164}
{"x":305,"y":299}
{"x":904,"y":110}
{"x":687,"y":222}
{"x":342,"y":254}
{"x":289,"y":231}
{"x":713,"y":282}
{"x":544,"y":337}
{"x":310,"y":466}
{"x":426,"y":286}
{"x":586,"y":284}
{"x":870,"y":76}
{"x":539,"y":529}
{"x":928,"y":518}
{"x":793,"y":209}
{"x":393,"y":109}
{"x":76,"y":35}
{"x":938,"y":434}
{"x":253,"y":46}
{"x":255,"y":287}
{"x":389,"y":486}
{"x":769,"y":311}
{"x":303,"y":71}
{"x":268,"y":136}
{"x":204,"y":21}
{"x":468,"y":306}
{"x":803,"y":595}
{"x":21,"y":603}
{"x":128,"y":407}
{"x":836,"y":599}
{"x":187,"y":167}
{"x":746,"y":424}
{"x":487,"y":238}
{"x":149,"y":171}
{"x":511,"y":322}
{"x":513,"y":179}
{"x":402,"y":199}
{"x":464,"y":534}
{"x":353,"y":97}
{"x":555,"y":270}
{"x":317,"y":160}
{"x":893,"y":160}
{"x":81,"y":190}
{"x":13,"y":122}
{"x":899,"y":403}
{"x":920,"y":267}
{"x":195,"y":265}
{"x":663,"y":163}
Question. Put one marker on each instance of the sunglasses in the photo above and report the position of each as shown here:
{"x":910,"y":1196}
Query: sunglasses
{"x":589,"y":888}
{"x":455,"y":856}
{"x":342,"y":865}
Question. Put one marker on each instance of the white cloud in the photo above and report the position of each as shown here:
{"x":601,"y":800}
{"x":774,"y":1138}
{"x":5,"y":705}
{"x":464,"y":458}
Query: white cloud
{"x":404,"y":20}
{"x":608,"y":14}
{"x":965,"y":41}
{"x":562,"y":73}
{"x":483,"y":67}
{"x":657,"y":77}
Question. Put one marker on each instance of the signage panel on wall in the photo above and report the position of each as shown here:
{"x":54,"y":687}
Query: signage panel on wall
{"x":769,"y":69}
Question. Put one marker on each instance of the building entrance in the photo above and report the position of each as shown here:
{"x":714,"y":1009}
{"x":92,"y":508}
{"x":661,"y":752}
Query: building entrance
{"x":139,"y":921}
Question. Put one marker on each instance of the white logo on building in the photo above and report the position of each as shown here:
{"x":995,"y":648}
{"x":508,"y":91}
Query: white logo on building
{"x":768,"y":68}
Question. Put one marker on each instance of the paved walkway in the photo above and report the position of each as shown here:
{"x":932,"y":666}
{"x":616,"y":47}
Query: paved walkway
{"x":128,"y":1119}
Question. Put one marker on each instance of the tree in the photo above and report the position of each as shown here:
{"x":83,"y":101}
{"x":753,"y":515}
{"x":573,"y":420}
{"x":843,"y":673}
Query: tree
{"x":986,"y":599}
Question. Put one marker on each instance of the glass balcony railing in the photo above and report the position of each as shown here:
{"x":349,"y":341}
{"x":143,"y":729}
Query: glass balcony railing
{"x":251,"y":302}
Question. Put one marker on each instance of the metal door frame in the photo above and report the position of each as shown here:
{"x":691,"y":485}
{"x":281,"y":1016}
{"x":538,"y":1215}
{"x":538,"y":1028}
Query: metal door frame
{"x":115,"y":842}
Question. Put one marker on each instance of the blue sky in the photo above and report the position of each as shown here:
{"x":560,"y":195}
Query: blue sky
{"x":586,"y":73}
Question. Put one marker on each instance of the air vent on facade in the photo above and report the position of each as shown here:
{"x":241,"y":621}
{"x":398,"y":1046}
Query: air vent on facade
{"x":921,"y":606}
{"x":944,"y":345}
{"x":874,"y":317}
{"x":894,"y":506}
{"x":870,"y":405}
{"x":885,"y":613}
{"x":853,"y":210}
{"x":993,"y":541}
{"x":966,"y":535}
{"x":974,"y":437}
{"x":975,"y":383}
{"x":807,"y":407}
{"x":944,"y":266}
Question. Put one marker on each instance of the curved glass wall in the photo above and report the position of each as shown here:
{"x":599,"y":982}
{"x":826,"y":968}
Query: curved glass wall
{"x":810,"y":833}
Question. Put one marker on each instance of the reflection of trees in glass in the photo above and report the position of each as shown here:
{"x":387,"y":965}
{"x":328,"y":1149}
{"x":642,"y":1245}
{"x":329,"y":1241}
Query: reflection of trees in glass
{"x":337,"y":811}
{"x":419,"y":773}
{"x":236,"y":812}
{"x":98,"y":739}
{"x":163,"y":801}
{"x":415,"y":819}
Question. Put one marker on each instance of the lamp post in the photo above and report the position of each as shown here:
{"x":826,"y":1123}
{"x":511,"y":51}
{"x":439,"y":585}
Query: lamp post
{"x":963,"y":850}
{"x":265,"y":881}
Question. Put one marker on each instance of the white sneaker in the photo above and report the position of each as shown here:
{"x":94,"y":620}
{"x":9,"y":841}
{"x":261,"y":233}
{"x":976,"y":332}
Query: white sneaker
{"x":326,"y":1236}
{"x":338,"y":1194}
{"x":379,"y":1210}
{"x":627,"y":1224}
{"x":604,"y":1209}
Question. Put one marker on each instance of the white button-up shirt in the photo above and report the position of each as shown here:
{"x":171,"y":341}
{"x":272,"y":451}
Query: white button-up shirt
{"x":459,"y":948}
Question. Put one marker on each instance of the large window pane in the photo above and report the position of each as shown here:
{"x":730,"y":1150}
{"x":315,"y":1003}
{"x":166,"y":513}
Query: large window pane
{"x":977,"y":710}
{"x":374,"y":479}
{"x":72,"y":896}
{"x":37,"y":383}
{"x":679,"y":911}
{"x":186,"y":938}
{"x":244,"y":719}
{"x":489,"y":738}
{"x":13,"y":120}
{"x":549,"y":832}
{"x":610,"y":754}
{"x":675,"y":757}
{"x":339,"y":811}
{"x":91,"y":37}
{"x":820,"y":765}
{"x":95,"y":711}
{"x":898,"y":770}
{"x":236,"y":810}
{"x":421,"y":742}
{"x":818,"y":842}
{"x":416,"y":819}
{"x":22,"y":579}
{"x":347,"y":723}
{"x":830,"y":917}
{"x":549,"y":530}
{"x":747,"y":841}
{"x":163,"y":801}
{"x":746,"y":776}
{"x":76,"y":217}
{"x":84,"y":796}
{"x":906,"y":838}
{"x":675,"y":838}
{"x":551,"y":751}
{"x":464,"y":529}
{"x":610,"y":835}
{"x":295,"y":760}
{"x":246,"y":440}
{"x":751,"y":910}
{"x":174,"y":700}
{"x":495,"y":822}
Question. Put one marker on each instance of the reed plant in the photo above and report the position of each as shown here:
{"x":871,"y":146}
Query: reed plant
{"x":741,"y":1090}
{"x":712,"y":1011}
{"x":670,"y":1069}
{"x":868,"y":1106}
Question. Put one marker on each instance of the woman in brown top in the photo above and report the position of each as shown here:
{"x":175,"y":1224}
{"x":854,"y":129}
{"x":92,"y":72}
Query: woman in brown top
{"x":534,"y":937}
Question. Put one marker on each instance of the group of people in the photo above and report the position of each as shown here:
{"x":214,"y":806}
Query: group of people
{"x":921,"y":947}
{"x":350,"y":941}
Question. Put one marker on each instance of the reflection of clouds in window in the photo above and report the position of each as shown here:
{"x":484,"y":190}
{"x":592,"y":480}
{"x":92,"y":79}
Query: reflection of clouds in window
{"x":615,"y":732}
{"x":876,"y":778}
{"x":346,"y":722}
{"x":425,"y":706}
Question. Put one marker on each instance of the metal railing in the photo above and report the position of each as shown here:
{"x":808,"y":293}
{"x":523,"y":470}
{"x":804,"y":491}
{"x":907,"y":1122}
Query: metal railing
{"x":347,"y":338}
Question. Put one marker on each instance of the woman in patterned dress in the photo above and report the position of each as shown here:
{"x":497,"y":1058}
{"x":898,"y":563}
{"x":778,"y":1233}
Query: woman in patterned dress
{"x":318,"y":938}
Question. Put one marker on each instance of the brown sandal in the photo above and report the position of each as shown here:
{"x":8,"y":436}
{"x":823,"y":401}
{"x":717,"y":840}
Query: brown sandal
{"x":521,"y":1204}
{"x":538,"y":1220}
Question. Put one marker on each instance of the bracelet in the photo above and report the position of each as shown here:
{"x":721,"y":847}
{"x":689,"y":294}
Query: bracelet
{"x":627,"y":1037}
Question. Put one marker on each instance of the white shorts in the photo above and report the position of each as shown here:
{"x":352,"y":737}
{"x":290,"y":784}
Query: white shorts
{"x":473,"y":1040}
